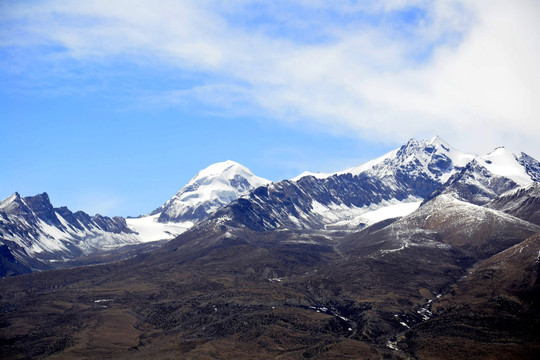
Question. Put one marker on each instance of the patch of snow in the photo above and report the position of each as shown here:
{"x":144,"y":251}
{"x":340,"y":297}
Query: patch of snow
{"x":390,"y":211}
{"x":342,"y":216}
{"x":317,"y":175}
{"x":392,"y":345}
{"x":49,"y":239}
{"x":425,"y":313}
{"x":401,"y":322}
{"x":149,"y":229}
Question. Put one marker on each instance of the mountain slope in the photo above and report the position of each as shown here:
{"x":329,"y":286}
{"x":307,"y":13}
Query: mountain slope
{"x":492,"y":313}
{"x":523,"y":202}
{"x":447,"y":223}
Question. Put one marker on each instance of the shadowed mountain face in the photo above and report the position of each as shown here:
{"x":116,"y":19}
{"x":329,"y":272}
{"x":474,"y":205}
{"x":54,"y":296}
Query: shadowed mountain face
{"x":250,"y":282}
{"x":523,"y":203}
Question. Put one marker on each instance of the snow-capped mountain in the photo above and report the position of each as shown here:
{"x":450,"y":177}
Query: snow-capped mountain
{"x":391,"y":186}
{"x":489,"y":176}
{"x":211,"y":189}
{"x":466,"y":259}
{"x":396,"y":182}
{"x":435,"y":157}
{"x":33,"y":229}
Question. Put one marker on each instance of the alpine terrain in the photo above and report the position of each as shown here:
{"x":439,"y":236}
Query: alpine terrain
{"x":211,"y":189}
{"x":36,"y":236}
{"x":423,"y":253}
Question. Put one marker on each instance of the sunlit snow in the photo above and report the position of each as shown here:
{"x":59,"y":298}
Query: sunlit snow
{"x":503,"y":163}
{"x":211,"y":188}
{"x":391,"y":211}
{"x":149,"y":229}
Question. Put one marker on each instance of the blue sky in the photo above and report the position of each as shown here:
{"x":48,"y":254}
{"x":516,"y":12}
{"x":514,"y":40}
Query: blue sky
{"x":112,"y":106}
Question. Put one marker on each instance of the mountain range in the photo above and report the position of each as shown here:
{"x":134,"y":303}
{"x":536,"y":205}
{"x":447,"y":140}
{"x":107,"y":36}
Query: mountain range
{"x":425,"y":248}
{"x":36,"y":236}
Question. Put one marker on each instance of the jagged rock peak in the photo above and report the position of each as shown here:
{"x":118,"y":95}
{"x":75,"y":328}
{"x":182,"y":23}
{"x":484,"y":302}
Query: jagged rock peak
{"x":7,"y":204}
{"x":434,"y":156}
{"x":531,"y":165}
{"x":39,"y":200}
{"x":15,"y":204}
{"x":12,"y":197}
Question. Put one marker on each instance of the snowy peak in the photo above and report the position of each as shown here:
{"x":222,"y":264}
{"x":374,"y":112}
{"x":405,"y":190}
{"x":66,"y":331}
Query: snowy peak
{"x":432,"y":159}
{"x":437,"y":160}
{"x":41,"y":206}
{"x":489,"y":176}
{"x":435,"y":155}
{"x":226,"y":168}
{"x":12,"y":204}
{"x":212,"y":188}
{"x":502,"y":162}
{"x":229,"y":173}
{"x":38,"y":206}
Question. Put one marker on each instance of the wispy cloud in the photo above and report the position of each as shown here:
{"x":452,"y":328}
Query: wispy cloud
{"x":382,"y":69}
{"x":93,"y":201}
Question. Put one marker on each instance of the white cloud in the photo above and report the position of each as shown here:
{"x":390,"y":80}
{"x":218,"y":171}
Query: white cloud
{"x":466,"y":70}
